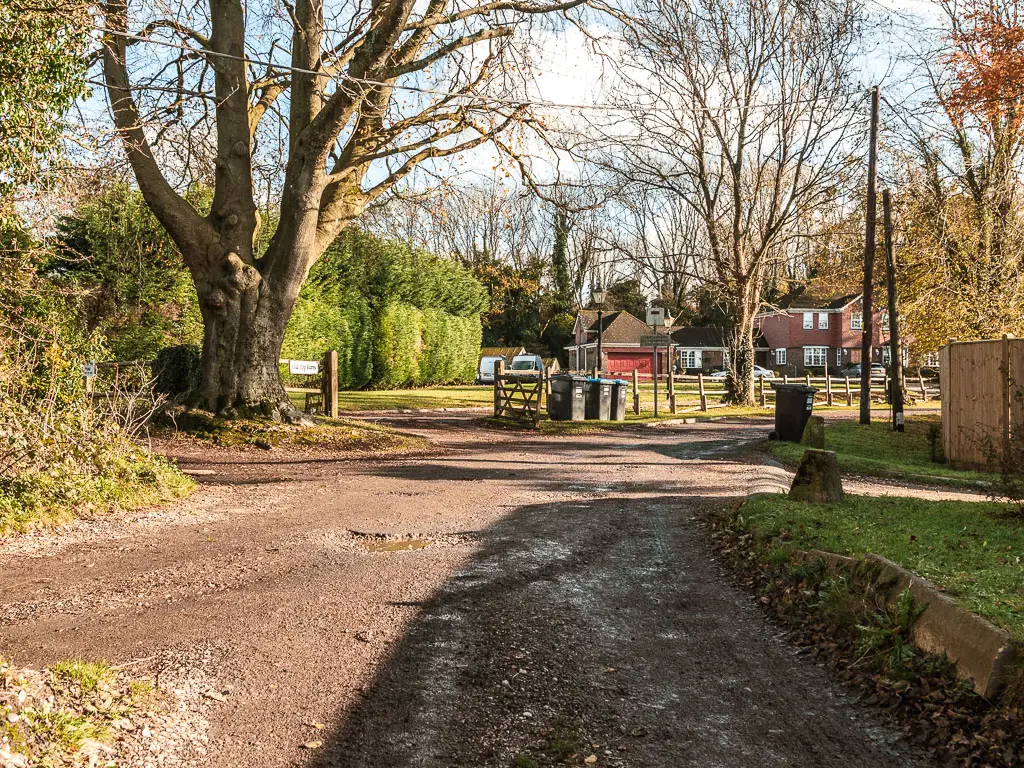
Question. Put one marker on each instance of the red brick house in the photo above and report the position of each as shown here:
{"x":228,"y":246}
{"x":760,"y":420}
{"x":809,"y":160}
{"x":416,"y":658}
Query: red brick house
{"x":620,"y":344}
{"x":807,"y":332}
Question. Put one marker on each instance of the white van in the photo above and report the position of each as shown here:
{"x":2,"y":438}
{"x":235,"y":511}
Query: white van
{"x":526,"y":364}
{"x":485,"y":370}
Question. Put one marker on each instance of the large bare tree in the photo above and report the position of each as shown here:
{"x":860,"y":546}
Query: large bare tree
{"x":744,"y":110}
{"x":346,"y":99}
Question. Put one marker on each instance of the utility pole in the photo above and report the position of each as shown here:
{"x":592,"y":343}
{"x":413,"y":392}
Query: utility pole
{"x":867,"y":304}
{"x":895,"y":353}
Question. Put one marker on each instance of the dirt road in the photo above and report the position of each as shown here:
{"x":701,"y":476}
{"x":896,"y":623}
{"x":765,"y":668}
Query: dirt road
{"x":509,"y":598}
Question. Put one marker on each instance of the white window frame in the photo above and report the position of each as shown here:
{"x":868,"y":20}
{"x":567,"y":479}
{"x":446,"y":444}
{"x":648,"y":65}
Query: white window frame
{"x":886,"y":354}
{"x":885,"y":321}
{"x":690,"y":355}
{"x":823,"y":321}
{"x":931,"y":359}
{"x":780,"y":356}
{"x":856,"y":321}
{"x":808,"y":321}
{"x":725,"y":357}
{"x":839,"y":355}
{"x":815,"y":357}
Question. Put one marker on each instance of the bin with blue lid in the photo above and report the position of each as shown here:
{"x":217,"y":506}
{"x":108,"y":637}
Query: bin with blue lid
{"x":599,"y":399}
{"x":618,"y":409}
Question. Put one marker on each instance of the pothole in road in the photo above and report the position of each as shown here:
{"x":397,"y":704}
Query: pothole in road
{"x":385,"y":543}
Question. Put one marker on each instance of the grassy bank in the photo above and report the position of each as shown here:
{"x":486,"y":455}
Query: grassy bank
{"x":877,"y":450}
{"x":335,"y":435}
{"x":969,"y":549}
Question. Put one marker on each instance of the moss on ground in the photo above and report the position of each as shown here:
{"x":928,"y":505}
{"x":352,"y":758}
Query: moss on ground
{"x":972,"y":550}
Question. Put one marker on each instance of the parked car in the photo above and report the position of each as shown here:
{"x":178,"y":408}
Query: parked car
{"x":759,"y":373}
{"x":526,"y":364}
{"x":853,"y":371}
{"x":485,"y":370}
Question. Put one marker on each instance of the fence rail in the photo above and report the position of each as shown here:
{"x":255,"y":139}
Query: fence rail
{"x":700,"y":393}
{"x":519,"y":396}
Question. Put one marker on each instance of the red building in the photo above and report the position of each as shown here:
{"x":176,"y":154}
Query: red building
{"x":806,"y":332}
{"x":621,"y":335}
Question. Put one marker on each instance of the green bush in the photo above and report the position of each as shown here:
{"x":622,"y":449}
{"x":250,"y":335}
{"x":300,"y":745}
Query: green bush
{"x":177,"y":370}
{"x":397,"y":316}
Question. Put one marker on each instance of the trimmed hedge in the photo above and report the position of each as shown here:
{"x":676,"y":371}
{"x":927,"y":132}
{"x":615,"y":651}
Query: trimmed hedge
{"x":398,"y":316}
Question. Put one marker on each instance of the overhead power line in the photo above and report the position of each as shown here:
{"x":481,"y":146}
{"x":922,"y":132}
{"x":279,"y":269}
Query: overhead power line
{"x":503,"y":101}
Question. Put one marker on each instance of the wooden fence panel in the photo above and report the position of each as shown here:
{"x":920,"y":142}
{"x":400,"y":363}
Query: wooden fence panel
{"x":975,"y":407}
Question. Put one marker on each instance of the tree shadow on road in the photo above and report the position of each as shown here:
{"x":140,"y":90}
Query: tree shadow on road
{"x":601,"y":628}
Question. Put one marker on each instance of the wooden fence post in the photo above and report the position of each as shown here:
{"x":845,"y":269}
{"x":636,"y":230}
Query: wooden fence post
{"x":924,"y":389}
{"x":807,"y":378}
{"x":785,"y":378}
{"x":499,"y":374}
{"x":885,"y":384}
{"x":671,"y":390}
{"x":329,"y":384}
{"x":849,"y":392}
{"x":636,"y":392}
{"x":828,"y":388}
{"x":700,"y":390}
{"x":760,"y":386}
{"x":1007,"y":404}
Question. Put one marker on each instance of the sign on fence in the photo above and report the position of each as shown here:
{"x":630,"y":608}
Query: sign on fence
{"x":303,"y":367}
{"x":89,"y":369}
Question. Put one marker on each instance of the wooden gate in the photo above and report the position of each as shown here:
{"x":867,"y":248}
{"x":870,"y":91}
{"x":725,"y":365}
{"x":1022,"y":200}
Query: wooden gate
{"x":982,"y":398}
{"x":518,"y":396}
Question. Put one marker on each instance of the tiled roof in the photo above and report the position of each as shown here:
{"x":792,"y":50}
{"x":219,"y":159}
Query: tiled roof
{"x":507,"y":352}
{"x":617,"y":327}
{"x":803,"y":298}
{"x":709,"y":338}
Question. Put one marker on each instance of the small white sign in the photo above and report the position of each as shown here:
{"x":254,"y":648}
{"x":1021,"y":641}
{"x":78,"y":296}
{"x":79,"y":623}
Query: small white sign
{"x":303,"y":367}
{"x":89,"y":369}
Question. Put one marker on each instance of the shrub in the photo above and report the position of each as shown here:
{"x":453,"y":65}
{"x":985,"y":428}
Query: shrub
{"x":177,"y":370}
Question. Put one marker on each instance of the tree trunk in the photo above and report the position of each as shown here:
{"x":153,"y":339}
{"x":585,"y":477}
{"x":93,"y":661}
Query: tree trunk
{"x":244,"y":319}
{"x":741,"y":363}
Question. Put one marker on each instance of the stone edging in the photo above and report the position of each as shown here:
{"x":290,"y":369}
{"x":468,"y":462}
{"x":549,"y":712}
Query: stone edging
{"x":983,"y":654}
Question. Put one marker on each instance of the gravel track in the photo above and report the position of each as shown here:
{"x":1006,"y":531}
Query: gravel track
{"x":455,"y":608}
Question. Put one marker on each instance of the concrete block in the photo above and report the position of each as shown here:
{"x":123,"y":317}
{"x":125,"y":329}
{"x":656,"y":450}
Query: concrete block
{"x":817,"y":478}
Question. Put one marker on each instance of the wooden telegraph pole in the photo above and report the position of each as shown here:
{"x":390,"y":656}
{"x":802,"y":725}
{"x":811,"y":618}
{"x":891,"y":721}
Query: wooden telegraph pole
{"x":895,"y":353}
{"x":867,"y":335}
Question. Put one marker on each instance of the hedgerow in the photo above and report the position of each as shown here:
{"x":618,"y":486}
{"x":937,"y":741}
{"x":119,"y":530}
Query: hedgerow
{"x":397,"y":316}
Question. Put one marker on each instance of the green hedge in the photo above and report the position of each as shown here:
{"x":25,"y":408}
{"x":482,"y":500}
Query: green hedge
{"x":398,"y":316}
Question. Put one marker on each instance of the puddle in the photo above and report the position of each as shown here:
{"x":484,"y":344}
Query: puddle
{"x":394,"y":545}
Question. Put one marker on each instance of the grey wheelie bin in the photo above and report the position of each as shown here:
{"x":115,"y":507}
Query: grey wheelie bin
{"x":793,"y":405}
{"x":568,"y":397}
{"x":618,"y":409}
{"x":599,"y":399}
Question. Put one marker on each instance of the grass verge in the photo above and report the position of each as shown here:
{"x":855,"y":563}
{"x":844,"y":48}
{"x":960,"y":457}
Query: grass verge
{"x":969,"y":549}
{"x":127,"y":477}
{"x":337,"y":435}
{"x":71,"y":714}
{"x":844,"y":619}
{"x":396,"y":399}
{"x":877,"y":450}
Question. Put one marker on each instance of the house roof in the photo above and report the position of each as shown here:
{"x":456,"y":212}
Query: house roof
{"x":709,"y":337}
{"x":706,"y":337}
{"x":617,"y":327}
{"x":804,"y":298}
{"x":507,"y":352}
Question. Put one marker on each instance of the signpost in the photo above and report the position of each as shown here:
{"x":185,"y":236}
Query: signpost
{"x":656,"y":318}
